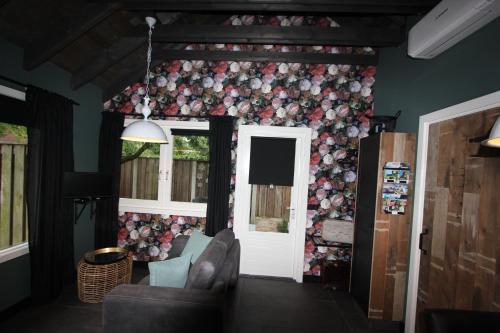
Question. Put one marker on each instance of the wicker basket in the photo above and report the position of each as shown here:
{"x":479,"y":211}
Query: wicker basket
{"x":94,"y":280}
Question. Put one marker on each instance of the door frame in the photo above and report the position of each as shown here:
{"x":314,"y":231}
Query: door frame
{"x":459,"y":110}
{"x":242,"y":165}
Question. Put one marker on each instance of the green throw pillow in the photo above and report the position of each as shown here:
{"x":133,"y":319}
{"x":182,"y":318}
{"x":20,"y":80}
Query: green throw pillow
{"x":170,"y":273}
{"x":196,"y":244}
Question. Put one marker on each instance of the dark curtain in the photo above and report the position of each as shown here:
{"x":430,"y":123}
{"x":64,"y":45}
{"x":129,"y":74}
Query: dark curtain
{"x":50,"y":217}
{"x":110,"y":152}
{"x":219,"y":175}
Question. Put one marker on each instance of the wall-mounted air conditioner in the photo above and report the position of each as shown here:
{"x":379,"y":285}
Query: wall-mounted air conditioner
{"x":447,"y":24}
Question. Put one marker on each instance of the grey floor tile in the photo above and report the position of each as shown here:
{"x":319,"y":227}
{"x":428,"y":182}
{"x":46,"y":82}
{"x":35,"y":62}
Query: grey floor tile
{"x":257,"y":305}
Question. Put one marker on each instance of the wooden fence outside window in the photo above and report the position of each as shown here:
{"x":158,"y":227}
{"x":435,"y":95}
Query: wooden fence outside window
{"x":139,"y":179}
{"x":13,"y":214}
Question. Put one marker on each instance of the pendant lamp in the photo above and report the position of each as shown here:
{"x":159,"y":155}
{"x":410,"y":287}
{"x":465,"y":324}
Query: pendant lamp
{"x":145,"y":130}
{"x":494,"y":138}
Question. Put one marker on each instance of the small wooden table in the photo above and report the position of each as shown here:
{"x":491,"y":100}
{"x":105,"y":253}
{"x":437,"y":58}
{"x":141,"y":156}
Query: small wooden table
{"x":100,"y":271}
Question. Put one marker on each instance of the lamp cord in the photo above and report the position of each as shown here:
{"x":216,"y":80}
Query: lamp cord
{"x":148,"y":70}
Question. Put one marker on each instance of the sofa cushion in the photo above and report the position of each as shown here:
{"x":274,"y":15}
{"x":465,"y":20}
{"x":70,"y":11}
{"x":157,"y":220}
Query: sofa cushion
{"x":225,"y":236}
{"x":226,"y":277}
{"x":196,"y":244}
{"x":170,"y":273}
{"x":178,"y":245}
{"x":235,"y":262}
{"x":204,"y":271}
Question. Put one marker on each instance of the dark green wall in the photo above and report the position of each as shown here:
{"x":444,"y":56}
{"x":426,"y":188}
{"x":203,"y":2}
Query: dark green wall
{"x":468,"y":70}
{"x":14,"y":274}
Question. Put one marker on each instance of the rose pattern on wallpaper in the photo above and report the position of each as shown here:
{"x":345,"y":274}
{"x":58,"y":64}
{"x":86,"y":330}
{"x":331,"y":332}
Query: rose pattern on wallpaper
{"x":284,"y":21}
{"x":149,"y":236}
{"x":333,"y":100}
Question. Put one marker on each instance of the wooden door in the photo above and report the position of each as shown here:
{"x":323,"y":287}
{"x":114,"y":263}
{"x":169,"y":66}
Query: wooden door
{"x":460,"y":262}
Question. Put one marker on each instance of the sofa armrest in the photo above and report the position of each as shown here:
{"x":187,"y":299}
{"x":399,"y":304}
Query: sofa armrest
{"x":141,"y":308}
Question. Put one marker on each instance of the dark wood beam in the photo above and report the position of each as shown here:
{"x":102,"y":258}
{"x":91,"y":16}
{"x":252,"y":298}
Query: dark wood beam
{"x":105,"y":59}
{"x":402,"y":7}
{"x":125,"y":46}
{"x":89,"y":17}
{"x":134,"y":75}
{"x":254,"y":34}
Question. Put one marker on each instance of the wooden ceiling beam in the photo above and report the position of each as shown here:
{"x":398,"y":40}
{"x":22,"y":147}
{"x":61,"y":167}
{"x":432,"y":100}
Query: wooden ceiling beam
{"x":401,"y":7}
{"x":134,"y":74}
{"x":124,"y":47}
{"x":254,"y":34}
{"x":105,"y":59}
{"x":37,"y":54}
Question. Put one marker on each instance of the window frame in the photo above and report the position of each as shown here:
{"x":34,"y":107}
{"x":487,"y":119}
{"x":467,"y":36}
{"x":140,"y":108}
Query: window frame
{"x":163,"y":205}
{"x":20,"y":249}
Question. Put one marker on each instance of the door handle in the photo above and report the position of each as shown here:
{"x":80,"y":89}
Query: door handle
{"x":424,"y":232}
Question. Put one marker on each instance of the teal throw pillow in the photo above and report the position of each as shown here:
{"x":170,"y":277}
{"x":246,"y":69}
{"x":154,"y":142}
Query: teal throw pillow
{"x":170,"y":273}
{"x":196,"y":244}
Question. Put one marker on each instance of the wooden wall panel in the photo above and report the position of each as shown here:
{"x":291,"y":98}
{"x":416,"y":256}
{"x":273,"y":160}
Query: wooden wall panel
{"x":461,"y":213}
{"x":390,"y":243}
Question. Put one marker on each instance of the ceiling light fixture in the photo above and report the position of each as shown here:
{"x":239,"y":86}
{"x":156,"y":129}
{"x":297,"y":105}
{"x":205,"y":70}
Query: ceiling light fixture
{"x":494,"y":138}
{"x":145,"y":130}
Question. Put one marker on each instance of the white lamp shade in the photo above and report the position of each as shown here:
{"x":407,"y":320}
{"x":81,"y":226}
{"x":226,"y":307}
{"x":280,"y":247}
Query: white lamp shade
{"x":494,"y":138}
{"x":144,"y":131}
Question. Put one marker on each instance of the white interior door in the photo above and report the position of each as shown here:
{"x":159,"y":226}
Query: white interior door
{"x":269,"y":220}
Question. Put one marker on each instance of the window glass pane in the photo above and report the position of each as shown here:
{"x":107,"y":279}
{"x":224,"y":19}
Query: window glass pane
{"x":190,"y":168}
{"x":13,"y":217}
{"x":139,"y":170}
{"x":270,"y":208}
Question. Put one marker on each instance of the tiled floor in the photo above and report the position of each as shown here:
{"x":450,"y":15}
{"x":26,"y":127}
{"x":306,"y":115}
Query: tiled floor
{"x":266,"y":305}
{"x":257,"y":305}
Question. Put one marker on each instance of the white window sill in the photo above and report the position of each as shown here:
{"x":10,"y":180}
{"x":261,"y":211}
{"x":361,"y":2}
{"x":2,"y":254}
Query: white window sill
{"x":154,"y":207}
{"x":13,"y":252}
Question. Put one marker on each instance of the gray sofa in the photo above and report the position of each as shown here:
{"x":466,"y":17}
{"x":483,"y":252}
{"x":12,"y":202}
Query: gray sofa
{"x":198,"y":306}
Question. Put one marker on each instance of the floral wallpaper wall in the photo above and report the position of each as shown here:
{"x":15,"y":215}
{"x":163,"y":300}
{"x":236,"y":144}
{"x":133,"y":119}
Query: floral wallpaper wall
{"x":333,"y":100}
{"x":149,"y":236}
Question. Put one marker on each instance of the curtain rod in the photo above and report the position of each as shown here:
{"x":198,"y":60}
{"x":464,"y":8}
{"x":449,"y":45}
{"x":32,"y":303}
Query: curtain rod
{"x":2,"y":77}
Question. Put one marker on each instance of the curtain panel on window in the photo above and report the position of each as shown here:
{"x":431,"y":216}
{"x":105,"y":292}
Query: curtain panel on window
{"x":110,"y":152}
{"x":50,"y":217}
{"x":219,"y":174}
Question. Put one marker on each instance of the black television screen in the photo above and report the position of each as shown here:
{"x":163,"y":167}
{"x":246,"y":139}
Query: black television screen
{"x":87,"y":184}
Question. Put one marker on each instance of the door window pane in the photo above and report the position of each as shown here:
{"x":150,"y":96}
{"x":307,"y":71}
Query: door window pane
{"x":13,"y":217}
{"x":190,"y":168}
{"x":270,"y":208}
{"x":139,"y":170}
